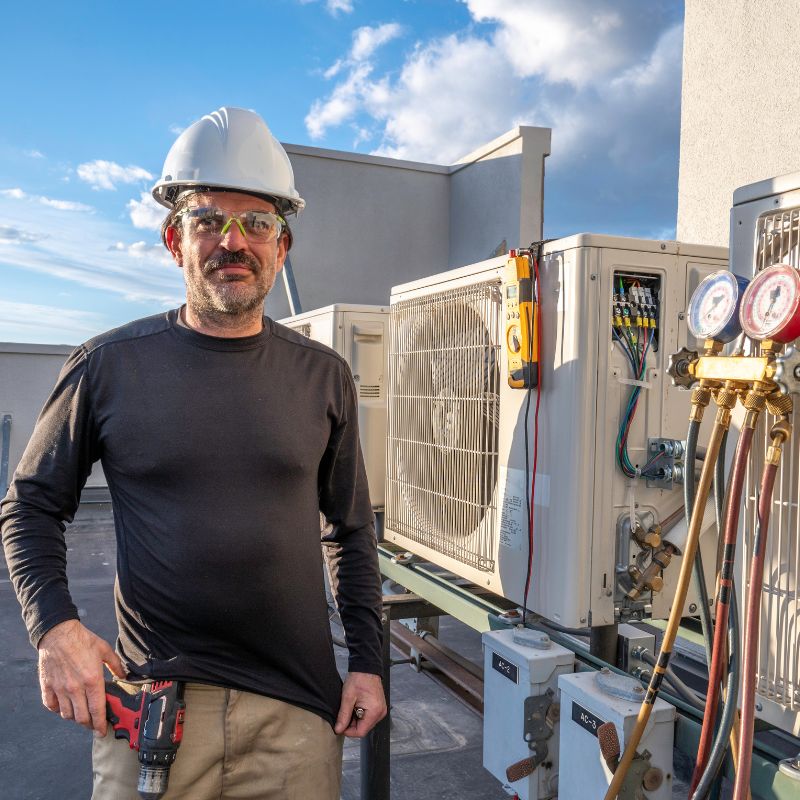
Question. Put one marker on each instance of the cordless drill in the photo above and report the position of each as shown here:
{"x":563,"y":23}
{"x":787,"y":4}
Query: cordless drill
{"x":152,"y":722}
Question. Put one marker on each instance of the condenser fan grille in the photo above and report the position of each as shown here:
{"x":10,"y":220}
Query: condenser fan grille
{"x":444,"y":403}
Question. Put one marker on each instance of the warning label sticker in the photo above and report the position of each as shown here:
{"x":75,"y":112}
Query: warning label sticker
{"x":513,"y":507}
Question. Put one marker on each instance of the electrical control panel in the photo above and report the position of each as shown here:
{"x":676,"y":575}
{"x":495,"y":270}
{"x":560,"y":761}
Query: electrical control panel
{"x":521,"y":710}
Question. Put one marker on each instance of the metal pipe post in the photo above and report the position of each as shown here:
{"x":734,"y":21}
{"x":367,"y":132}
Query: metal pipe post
{"x":375,"y":745}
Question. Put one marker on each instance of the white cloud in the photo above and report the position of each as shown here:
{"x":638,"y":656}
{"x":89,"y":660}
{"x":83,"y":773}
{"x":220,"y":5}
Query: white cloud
{"x":177,"y":130}
{"x":142,"y":249}
{"x":107,"y":174}
{"x":45,"y":241}
{"x":65,"y":205}
{"x":33,"y":153}
{"x":146,"y":213}
{"x":34,"y":322}
{"x":367,"y":40}
{"x":61,"y":205}
{"x":9,"y":235}
{"x":333,"y":7}
{"x":348,"y":97}
{"x":581,"y":42}
{"x":336,"y":6}
{"x":605,"y":75}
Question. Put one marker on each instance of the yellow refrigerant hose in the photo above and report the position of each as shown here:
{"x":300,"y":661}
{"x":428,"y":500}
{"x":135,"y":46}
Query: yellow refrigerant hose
{"x":726,"y":399}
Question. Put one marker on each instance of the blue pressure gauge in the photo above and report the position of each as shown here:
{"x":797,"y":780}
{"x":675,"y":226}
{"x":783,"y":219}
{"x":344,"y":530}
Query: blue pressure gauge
{"x":714,"y":307}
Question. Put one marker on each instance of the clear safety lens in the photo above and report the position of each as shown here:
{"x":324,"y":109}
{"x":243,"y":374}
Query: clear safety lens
{"x":210,"y":222}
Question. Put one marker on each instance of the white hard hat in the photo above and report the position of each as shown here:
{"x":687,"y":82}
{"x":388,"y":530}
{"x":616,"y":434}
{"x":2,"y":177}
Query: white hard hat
{"x":232,"y":149}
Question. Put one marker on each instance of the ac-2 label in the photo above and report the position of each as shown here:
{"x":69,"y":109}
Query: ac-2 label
{"x":505,"y":668}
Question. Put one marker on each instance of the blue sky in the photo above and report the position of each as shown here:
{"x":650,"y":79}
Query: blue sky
{"x":97,"y":92}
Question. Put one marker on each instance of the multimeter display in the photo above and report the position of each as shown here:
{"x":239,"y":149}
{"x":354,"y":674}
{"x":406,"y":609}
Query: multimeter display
{"x":511,"y":291}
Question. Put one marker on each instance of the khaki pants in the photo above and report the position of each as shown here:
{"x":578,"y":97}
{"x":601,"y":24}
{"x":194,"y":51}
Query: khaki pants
{"x":236,"y":746}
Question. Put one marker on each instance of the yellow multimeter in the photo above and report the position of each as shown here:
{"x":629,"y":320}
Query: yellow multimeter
{"x":521,"y":326}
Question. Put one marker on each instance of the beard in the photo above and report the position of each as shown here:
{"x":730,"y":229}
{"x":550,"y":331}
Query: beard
{"x":210,"y":292}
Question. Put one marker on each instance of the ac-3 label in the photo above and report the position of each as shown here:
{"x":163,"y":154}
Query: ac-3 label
{"x":505,"y":668}
{"x":586,"y":719}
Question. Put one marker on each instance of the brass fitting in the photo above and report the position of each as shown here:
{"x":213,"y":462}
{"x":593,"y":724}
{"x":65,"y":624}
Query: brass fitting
{"x":723,"y":417}
{"x":650,"y":579}
{"x":701,"y":397}
{"x":726,"y":397}
{"x":754,"y":401}
{"x":780,"y":405}
{"x":780,"y":433}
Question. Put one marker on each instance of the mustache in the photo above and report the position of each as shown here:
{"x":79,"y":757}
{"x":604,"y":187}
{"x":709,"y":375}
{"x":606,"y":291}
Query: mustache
{"x":228,"y":257}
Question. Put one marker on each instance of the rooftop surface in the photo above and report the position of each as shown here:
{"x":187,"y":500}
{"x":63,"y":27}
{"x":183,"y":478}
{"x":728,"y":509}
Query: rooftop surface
{"x":436,"y":740}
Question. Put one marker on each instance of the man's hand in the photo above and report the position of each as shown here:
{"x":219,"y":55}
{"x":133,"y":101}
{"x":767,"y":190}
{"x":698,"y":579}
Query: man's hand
{"x":365,"y":691}
{"x":71,"y":675}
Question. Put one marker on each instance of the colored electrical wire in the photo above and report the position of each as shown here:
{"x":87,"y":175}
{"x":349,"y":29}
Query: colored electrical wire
{"x":638,"y":360}
{"x":530,"y":479}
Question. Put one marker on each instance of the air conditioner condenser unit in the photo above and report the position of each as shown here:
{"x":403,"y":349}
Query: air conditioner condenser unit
{"x":457,"y":484}
{"x":358,"y":333}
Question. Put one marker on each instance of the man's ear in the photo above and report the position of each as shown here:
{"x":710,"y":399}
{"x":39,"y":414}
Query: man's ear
{"x":283,"y":251}
{"x":173,"y":241}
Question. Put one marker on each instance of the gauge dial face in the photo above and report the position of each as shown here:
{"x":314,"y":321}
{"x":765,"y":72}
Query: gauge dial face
{"x":713,"y":305}
{"x":770,"y":305}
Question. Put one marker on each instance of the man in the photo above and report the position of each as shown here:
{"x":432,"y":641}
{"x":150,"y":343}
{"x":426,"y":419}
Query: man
{"x":222,"y":435}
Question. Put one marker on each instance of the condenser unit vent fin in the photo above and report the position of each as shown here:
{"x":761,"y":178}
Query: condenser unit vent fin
{"x":779,"y":635}
{"x":444,"y":420}
{"x":369,"y":391}
{"x":304,"y":329}
{"x":778,"y":238}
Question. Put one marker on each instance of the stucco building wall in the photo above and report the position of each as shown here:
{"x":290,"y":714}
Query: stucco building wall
{"x":740,"y":107}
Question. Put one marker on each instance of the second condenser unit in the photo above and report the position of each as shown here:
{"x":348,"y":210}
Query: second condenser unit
{"x":358,"y":333}
{"x":610,"y":426}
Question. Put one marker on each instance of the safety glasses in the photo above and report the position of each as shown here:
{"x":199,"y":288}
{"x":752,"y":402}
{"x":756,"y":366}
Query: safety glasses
{"x":210,"y":222}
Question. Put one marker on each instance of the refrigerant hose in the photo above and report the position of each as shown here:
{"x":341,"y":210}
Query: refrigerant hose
{"x":779,"y":434}
{"x":729,"y":711}
{"x":689,"y":496}
{"x":731,"y":529}
{"x":726,"y":401}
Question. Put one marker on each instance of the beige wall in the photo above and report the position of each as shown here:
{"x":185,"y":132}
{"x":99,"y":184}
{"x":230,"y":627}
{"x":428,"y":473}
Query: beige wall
{"x":740,"y":116}
{"x":28,"y":373}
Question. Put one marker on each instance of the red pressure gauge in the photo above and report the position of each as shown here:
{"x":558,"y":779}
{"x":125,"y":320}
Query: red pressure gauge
{"x":771,"y":305}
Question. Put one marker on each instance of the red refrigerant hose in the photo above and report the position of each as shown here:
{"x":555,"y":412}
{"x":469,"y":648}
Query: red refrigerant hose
{"x":719,"y":657}
{"x":780,"y":432}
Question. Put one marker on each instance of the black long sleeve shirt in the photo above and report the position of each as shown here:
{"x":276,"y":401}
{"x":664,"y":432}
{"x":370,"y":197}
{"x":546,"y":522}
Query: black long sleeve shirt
{"x":219,"y":454}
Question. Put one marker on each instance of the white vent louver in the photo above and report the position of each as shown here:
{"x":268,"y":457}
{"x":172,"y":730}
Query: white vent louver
{"x":444,"y":377}
{"x":778,"y":242}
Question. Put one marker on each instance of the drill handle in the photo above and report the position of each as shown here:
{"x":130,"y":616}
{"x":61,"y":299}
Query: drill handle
{"x":124,"y":712}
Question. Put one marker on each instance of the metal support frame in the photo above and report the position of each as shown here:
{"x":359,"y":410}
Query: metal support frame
{"x":5,"y":449}
{"x":375,"y":746}
{"x":291,"y":287}
{"x":482,"y":613}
